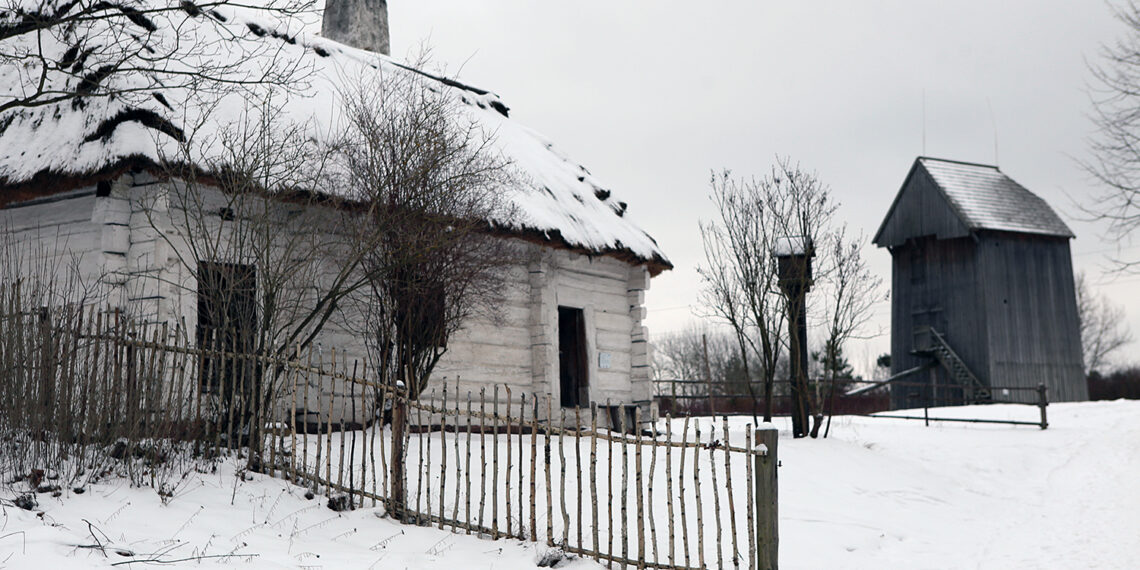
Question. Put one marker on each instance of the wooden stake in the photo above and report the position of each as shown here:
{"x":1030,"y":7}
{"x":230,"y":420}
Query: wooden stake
{"x":467,"y":469}
{"x":420,"y":475}
{"x":578,"y":469}
{"x":669,"y":483}
{"x":649,"y":495}
{"x":522,"y":467}
{"x":443,"y":457}
{"x":624,"y":484}
{"x":508,"y":479}
{"x":533,"y":468}
{"x":749,"y":485}
{"x":716,"y":493}
{"x":640,"y":493}
{"x":482,"y":454}
{"x":610,"y":486}
{"x":495,"y":467}
{"x":697,"y":492}
{"x":681,"y":492}
{"x":594,"y":473}
{"x":562,"y":475}
{"x":546,"y":464}
{"x":427,"y":460}
{"x":728,"y":486}
{"x":458,"y":464}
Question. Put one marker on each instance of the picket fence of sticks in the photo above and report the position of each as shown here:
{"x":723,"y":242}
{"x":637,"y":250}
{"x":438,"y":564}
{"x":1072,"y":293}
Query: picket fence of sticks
{"x":691,"y":493}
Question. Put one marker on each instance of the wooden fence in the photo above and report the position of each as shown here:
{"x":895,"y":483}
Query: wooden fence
{"x":691,"y":493}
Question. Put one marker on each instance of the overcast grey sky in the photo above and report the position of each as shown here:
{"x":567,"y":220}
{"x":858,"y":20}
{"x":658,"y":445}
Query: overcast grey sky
{"x":653,"y":95}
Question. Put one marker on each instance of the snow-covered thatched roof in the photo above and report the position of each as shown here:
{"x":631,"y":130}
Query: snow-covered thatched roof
{"x":54,"y":147}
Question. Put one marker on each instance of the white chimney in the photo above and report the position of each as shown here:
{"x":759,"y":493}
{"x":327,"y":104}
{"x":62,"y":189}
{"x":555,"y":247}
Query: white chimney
{"x":358,"y":23}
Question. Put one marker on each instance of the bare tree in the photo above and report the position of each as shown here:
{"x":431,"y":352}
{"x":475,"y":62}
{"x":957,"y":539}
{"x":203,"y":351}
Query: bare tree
{"x":740,"y":280}
{"x":1103,"y":328}
{"x":56,"y":51}
{"x":1115,"y":147}
{"x":434,"y":195}
{"x":739,"y":284}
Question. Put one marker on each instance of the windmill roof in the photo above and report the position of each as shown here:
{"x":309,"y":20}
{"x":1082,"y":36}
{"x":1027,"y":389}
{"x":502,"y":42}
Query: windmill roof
{"x":951,"y":199}
{"x":986,"y":198}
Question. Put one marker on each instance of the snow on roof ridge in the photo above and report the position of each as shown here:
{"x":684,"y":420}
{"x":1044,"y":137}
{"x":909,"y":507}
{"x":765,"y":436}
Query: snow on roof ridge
{"x":563,"y":201}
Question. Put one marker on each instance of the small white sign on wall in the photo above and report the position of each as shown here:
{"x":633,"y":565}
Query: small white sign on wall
{"x":604,"y":359}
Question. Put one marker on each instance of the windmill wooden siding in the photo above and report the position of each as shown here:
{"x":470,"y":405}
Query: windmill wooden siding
{"x":987,"y":264}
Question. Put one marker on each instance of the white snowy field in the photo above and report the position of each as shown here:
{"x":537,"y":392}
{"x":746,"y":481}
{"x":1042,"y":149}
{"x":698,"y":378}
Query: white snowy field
{"x":878,"y":493}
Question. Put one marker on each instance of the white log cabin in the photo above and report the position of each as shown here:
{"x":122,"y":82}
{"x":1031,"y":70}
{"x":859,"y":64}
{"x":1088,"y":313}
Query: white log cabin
{"x":79,"y":181}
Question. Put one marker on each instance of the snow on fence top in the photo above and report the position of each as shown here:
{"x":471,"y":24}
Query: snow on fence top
{"x":253,"y":55}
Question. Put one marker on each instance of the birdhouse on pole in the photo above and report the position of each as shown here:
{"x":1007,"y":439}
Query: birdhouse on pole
{"x":793,"y":270}
{"x":793,"y":262}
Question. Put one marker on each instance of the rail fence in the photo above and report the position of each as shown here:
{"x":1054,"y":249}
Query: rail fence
{"x":684,"y":398}
{"x":84,"y":389}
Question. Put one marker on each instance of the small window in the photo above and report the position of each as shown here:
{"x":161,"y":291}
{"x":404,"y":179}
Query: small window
{"x":227,"y":322}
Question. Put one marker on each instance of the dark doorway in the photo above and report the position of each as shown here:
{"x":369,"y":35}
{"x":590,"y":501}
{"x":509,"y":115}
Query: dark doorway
{"x":227,"y":324}
{"x":572,"y":362}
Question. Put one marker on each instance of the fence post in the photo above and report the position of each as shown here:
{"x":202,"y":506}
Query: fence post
{"x":397,"y":502}
{"x":767,"y":500}
{"x":1042,"y":402}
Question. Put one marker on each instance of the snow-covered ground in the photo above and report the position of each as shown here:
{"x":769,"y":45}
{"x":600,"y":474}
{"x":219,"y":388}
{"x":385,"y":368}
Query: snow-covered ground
{"x":878,"y":493}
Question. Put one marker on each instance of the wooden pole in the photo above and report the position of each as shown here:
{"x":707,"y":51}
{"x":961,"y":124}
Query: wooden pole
{"x":562,"y":475}
{"x":458,"y":464}
{"x":653,"y":445}
{"x":731,"y":504}
{"x":495,"y":466}
{"x":669,"y":483}
{"x":427,"y":469}
{"x":467,"y":474}
{"x":716,"y":493}
{"x":681,"y":491}
{"x":546,"y":463}
{"x":578,"y":468}
{"x":640,"y":492}
{"x":610,"y":486}
{"x":482,"y":454}
{"x":624,"y":485}
{"x":508,"y":478}
{"x":533,"y":468}
{"x":398,"y":499}
{"x":697,"y":492}
{"x":767,"y":500}
{"x":594,"y":473}
{"x":421,"y":478}
{"x":443,"y":457}
{"x":749,"y":485}
{"x":522,"y":467}
{"x":1042,"y":403}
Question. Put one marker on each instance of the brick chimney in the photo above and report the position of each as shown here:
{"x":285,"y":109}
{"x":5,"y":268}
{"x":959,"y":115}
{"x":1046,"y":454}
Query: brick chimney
{"x":358,"y":23}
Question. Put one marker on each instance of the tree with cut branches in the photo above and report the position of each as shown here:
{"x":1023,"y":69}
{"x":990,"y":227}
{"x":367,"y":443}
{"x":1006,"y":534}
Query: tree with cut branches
{"x":740,"y":282}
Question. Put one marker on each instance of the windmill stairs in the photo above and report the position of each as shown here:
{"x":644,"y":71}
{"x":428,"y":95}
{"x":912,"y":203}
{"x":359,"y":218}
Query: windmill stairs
{"x":928,"y":342}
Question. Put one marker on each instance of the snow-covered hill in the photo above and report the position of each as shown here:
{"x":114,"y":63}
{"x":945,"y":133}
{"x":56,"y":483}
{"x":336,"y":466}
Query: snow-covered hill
{"x":878,"y":493}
